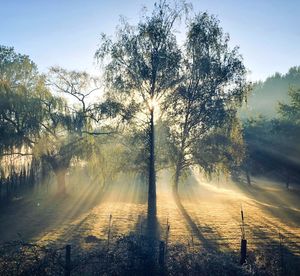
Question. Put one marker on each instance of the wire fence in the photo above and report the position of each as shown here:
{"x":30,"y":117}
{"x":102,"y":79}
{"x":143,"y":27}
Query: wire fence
{"x":129,"y":255}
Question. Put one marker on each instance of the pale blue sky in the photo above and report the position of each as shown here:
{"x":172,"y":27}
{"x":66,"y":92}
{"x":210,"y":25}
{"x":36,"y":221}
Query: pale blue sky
{"x":66,"y":32}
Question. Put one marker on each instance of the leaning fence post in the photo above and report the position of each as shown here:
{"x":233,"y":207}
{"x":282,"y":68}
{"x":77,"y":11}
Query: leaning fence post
{"x":68,"y":261}
{"x":140,"y":225}
{"x":109,"y":229}
{"x":167,"y":238}
{"x":243,"y":240}
{"x":282,"y":266}
{"x":243,"y":251}
{"x":161,"y":256}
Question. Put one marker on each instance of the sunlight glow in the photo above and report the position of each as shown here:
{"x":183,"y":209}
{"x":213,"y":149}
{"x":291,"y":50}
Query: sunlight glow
{"x":153,"y":104}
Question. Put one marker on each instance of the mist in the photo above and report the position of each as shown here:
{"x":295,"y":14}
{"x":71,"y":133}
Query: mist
{"x":166,"y":161}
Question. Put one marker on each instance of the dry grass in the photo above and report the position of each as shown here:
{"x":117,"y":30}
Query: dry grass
{"x":215,"y":212}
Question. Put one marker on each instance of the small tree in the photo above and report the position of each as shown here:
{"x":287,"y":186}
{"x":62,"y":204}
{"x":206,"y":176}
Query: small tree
{"x":71,"y":123}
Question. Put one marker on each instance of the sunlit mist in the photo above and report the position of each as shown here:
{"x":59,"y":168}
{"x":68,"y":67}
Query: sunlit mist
{"x":178,"y":155}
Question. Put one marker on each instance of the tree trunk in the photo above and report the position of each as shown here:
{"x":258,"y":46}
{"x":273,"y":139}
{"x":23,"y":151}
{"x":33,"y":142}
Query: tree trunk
{"x":248,"y":177}
{"x":176,"y":180}
{"x":59,"y":166}
{"x":61,"y":181}
{"x":152,"y":178}
{"x":287,"y":183}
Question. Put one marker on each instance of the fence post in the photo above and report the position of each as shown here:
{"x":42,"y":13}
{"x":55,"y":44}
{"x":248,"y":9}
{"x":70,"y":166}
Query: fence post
{"x":109,"y":229}
{"x":68,"y":260}
{"x":243,"y":251}
{"x":161,"y":256}
{"x":167,"y":238}
{"x":243,"y":240}
{"x":282,"y":266}
{"x":140,"y":225}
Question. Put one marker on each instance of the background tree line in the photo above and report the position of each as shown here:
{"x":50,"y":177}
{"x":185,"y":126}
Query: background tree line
{"x":272,"y":143}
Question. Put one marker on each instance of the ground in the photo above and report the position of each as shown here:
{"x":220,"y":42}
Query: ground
{"x":210,"y":216}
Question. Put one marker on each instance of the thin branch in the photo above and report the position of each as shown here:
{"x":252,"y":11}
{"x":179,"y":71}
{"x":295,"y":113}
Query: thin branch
{"x":16,"y":153}
{"x":98,"y":133}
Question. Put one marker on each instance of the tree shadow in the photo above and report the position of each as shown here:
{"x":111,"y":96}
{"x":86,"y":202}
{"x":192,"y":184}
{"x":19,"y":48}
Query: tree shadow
{"x":36,"y":215}
{"x":278,"y":202}
{"x":207,"y":244}
{"x":274,"y":253}
{"x":147,"y":232}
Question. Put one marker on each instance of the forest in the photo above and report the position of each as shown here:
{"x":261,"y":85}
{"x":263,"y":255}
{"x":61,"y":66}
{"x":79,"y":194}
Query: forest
{"x":169,"y":161}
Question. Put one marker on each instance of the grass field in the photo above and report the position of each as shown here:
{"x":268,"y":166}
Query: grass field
{"x":210,"y":218}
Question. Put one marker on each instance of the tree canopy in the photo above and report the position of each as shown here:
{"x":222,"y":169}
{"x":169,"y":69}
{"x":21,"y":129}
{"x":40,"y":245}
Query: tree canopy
{"x":21,"y":108}
{"x":143,"y":66}
{"x":213,"y":86}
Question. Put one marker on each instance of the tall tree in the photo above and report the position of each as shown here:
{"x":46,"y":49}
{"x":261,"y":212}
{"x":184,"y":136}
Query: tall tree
{"x":142,"y":68}
{"x":21,"y":111}
{"x":212,"y":88}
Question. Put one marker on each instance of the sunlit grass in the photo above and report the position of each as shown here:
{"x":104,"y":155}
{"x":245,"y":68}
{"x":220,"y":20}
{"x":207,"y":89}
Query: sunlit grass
{"x":214,"y":210}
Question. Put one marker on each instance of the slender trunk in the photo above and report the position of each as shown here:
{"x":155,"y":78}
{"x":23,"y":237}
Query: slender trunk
{"x":287,"y":183}
{"x":176,"y":179}
{"x":7,"y":188}
{"x":61,"y":181}
{"x":152,"y":221}
{"x":248,"y":177}
{"x":152,"y":176}
{"x":152,"y":229}
{"x":59,"y":166}
{"x":180,"y":159}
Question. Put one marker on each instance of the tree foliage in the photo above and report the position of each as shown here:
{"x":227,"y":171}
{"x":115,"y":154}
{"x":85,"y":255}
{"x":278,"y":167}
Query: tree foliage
{"x":291,"y":112}
{"x":266,"y":94}
{"x":213,"y":86}
{"x":221,"y":150}
{"x":21,"y":109}
{"x":48,"y":117}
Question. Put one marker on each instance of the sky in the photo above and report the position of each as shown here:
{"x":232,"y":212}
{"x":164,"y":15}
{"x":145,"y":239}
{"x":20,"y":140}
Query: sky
{"x":67,"y":32}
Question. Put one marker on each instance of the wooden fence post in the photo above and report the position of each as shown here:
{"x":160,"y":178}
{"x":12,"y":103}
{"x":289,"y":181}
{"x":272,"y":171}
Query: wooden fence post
{"x":282,"y":265}
{"x":167,"y":238}
{"x":109,"y":230}
{"x":161,"y":256}
{"x":243,"y":240}
{"x":68,"y":261}
{"x":243,"y":251}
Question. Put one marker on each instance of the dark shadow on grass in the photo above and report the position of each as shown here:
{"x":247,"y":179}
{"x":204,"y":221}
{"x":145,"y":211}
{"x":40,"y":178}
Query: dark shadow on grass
{"x":280,"y":203}
{"x":147,"y":233}
{"x":33,"y":216}
{"x":192,"y":225}
{"x":280,"y":254}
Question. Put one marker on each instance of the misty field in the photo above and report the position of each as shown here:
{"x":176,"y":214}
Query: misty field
{"x":210,"y":221}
